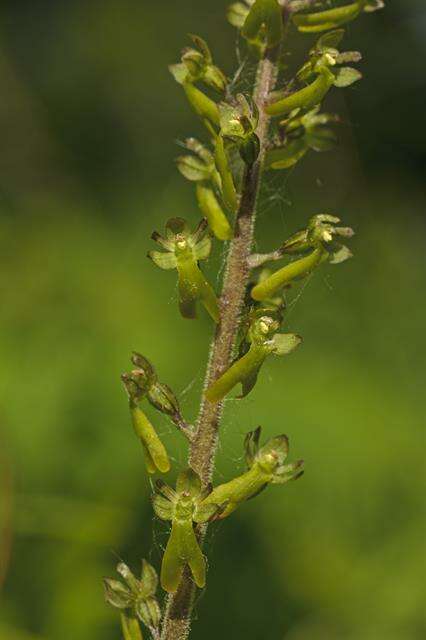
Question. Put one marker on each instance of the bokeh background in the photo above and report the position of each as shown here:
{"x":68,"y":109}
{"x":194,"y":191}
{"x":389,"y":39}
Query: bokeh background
{"x":89,"y":117}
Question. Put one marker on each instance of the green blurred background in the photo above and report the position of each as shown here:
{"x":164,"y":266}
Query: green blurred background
{"x":89,"y":117}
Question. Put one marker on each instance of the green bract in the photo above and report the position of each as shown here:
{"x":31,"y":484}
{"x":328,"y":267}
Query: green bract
{"x":261,"y":340}
{"x":184,"y":507}
{"x":321,"y":72}
{"x":302,"y":132}
{"x":183,"y":252}
{"x":135,"y":598}
{"x":265,"y":466}
{"x":201,"y":168}
{"x":332,"y":18}
{"x":318,"y":242}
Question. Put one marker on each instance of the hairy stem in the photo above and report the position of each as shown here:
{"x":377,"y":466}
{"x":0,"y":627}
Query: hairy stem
{"x":177,"y":619}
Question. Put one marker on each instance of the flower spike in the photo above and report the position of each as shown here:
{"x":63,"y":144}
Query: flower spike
{"x":183,"y":252}
{"x":261,"y":340}
{"x":135,"y":598}
{"x":184,"y":507}
{"x":318,"y":242}
{"x":265,"y":466}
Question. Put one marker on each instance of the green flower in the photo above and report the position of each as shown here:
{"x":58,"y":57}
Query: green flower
{"x":183,"y":507}
{"x":317,"y":243}
{"x":261,"y":340}
{"x":265,"y":466}
{"x":321,"y":73}
{"x":135,"y":598}
{"x":183,"y":252}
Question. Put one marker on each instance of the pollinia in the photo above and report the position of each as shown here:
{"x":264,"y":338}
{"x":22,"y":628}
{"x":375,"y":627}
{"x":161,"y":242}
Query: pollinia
{"x":246,"y":136}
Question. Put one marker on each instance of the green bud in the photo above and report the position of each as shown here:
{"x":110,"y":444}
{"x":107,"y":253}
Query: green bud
{"x":183,"y":508}
{"x":184,"y":251}
{"x":262,"y":340}
{"x":266,"y":466}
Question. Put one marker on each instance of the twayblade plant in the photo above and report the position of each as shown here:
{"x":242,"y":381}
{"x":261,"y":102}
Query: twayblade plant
{"x":247,"y":135}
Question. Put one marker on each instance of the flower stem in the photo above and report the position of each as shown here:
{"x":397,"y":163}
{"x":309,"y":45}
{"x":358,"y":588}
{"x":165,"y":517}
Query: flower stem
{"x":177,"y":620}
